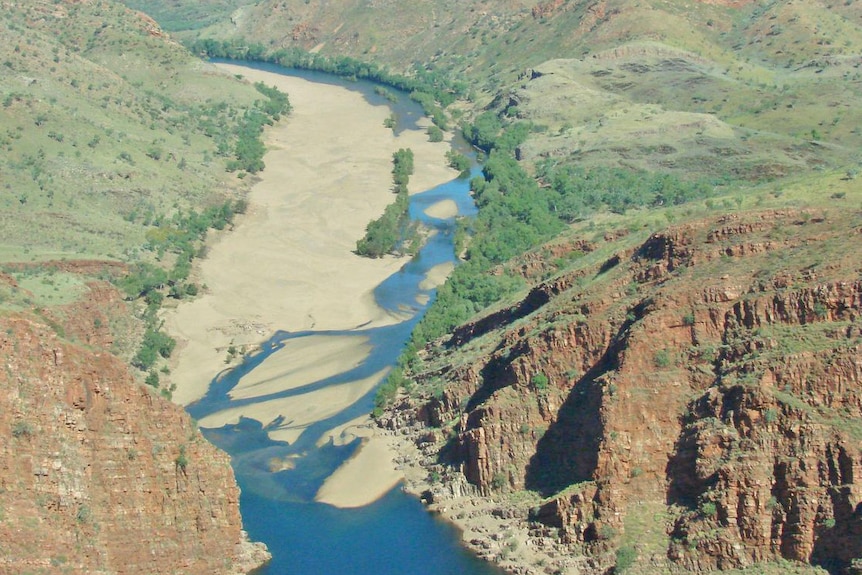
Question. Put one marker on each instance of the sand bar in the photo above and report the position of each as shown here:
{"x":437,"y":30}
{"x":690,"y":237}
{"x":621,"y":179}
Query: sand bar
{"x":288,"y":265}
{"x":443,"y":210}
{"x":360,"y":481}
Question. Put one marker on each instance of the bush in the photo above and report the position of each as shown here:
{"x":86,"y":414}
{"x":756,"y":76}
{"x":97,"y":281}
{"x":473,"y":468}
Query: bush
{"x":540,"y":382}
{"x":156,"y":343}
{"x":182,"y":460}
{"x":391,"y":230}
{"x":708,"y":509}
{"x":499,"y":481}
{"x":387,"y":391}
{"x":152,"y":379}
{"x":625,"y":558}
{"x":458,"y":161}
{"x":22,"y":429}
{"x":661,"y":359}
{"x":435,"y":134}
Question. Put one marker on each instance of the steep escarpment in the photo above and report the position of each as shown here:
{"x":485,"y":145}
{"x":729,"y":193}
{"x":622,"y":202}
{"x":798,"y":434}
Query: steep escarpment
{"x":688,"y":399}
{"x":98,"y":473}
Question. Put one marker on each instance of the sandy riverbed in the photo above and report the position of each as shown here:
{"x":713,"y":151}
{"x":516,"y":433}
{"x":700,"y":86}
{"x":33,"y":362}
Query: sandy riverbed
{"x":288,"y":265}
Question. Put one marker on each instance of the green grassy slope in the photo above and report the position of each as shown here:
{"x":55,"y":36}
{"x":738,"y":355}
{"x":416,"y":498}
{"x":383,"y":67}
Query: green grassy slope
{"x":745,"y":91}
{"x":105,"y":126}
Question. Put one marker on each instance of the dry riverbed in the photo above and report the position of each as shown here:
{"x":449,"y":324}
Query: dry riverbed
{"x":288,"y":265}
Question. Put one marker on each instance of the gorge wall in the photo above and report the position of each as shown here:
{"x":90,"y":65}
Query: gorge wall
{"x":98,"y":474}
{"x":687,"y":400}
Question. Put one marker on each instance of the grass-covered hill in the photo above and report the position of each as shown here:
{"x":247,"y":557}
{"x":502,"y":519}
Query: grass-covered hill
{"x":106,"y":125}
{"x":738,"y":90}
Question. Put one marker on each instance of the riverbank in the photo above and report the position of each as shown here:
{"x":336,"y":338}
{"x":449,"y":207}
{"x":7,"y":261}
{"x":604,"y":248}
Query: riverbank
{"x":495,"y":527}
{"x":288,"y":265}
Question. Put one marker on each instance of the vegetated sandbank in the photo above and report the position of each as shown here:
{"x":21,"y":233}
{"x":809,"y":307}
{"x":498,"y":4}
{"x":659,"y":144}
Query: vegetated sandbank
{"x":289,"y":265}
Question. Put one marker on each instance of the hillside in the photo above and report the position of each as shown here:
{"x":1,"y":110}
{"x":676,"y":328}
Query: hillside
{"x":115,"y":147}
{"x":682,"y":400}
{"x":648,"y":362}
{"x":105,"y":129}
{"x":759,"y":90}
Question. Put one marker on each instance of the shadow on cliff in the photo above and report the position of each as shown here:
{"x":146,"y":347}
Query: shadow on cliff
{"x":568,"y":452}
{"x":684,"y":484}
{"x":838,"y":548}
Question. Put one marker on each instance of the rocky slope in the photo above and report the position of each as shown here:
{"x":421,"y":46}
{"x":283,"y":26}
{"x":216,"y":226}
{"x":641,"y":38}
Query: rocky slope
{"x":686,"y":400}
{"x":97,"y":473}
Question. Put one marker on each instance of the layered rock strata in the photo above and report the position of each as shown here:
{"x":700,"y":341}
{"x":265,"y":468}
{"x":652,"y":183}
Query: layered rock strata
{"x":702,"y":385}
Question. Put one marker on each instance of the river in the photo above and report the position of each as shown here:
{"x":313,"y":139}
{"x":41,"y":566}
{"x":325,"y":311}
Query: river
{"x":280,"y":474}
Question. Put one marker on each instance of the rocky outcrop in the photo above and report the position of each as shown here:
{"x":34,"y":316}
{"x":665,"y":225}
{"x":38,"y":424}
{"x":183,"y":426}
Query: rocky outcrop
{"x":711,"y":375}
{"x":97,"y":473}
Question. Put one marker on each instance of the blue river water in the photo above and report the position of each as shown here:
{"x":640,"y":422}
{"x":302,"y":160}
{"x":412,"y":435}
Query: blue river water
{"x":394,"y":535}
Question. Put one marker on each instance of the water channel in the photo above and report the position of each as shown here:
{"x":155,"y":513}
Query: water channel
{"x":395,"y":534}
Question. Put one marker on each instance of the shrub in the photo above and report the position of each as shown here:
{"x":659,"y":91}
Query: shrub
{"x":499,"y":481}
{"x":156,"y":343}
{"x":83,"y":514}
{"x":435,"y":134}
{"x":182,"y":461}
{"x":391,"y":230}
{"x":22,"y":429}
{"x":540,"y":381}
{"x":625,"y":558}
{"x":152,"y":379}
{"x":708,"y":509}
{"x":606,"y":532}
{"x":661,"y":358}
{"x":458,"y":161}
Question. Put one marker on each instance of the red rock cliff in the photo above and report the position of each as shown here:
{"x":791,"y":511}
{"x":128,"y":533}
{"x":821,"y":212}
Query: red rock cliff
{"x":703,"y":384}
{"x":98,"y":474}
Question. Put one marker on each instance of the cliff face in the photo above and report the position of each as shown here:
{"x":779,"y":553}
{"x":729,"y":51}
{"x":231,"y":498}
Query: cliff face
{"x":687,"y":400}
{"x":98,"y":474}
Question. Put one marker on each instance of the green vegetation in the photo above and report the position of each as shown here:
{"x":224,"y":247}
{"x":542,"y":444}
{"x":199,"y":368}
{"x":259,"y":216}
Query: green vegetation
{"x":516,"y":214}
{"x":155,"y":344}
{"x":708,"y":509}
{"x":176,"y":16}
{"x":22,"y":429}
{"x":458,"y":161}
{"x":387,"y":390}
{"x":434,"y":91}
{"x":113,"y":126}
{"x":580,"y":193}
{"x":435,"y":134}
{"x":608,"y":127}
{"x":181,"y":237}
{"x":249,"y":149}
{"x":540,"y":382}
{"x":116,"y":148}
{"x":625,"y":558}
{"x":392,"y":232}
{"x":662,"y":359}
{"x":182,"y":460}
